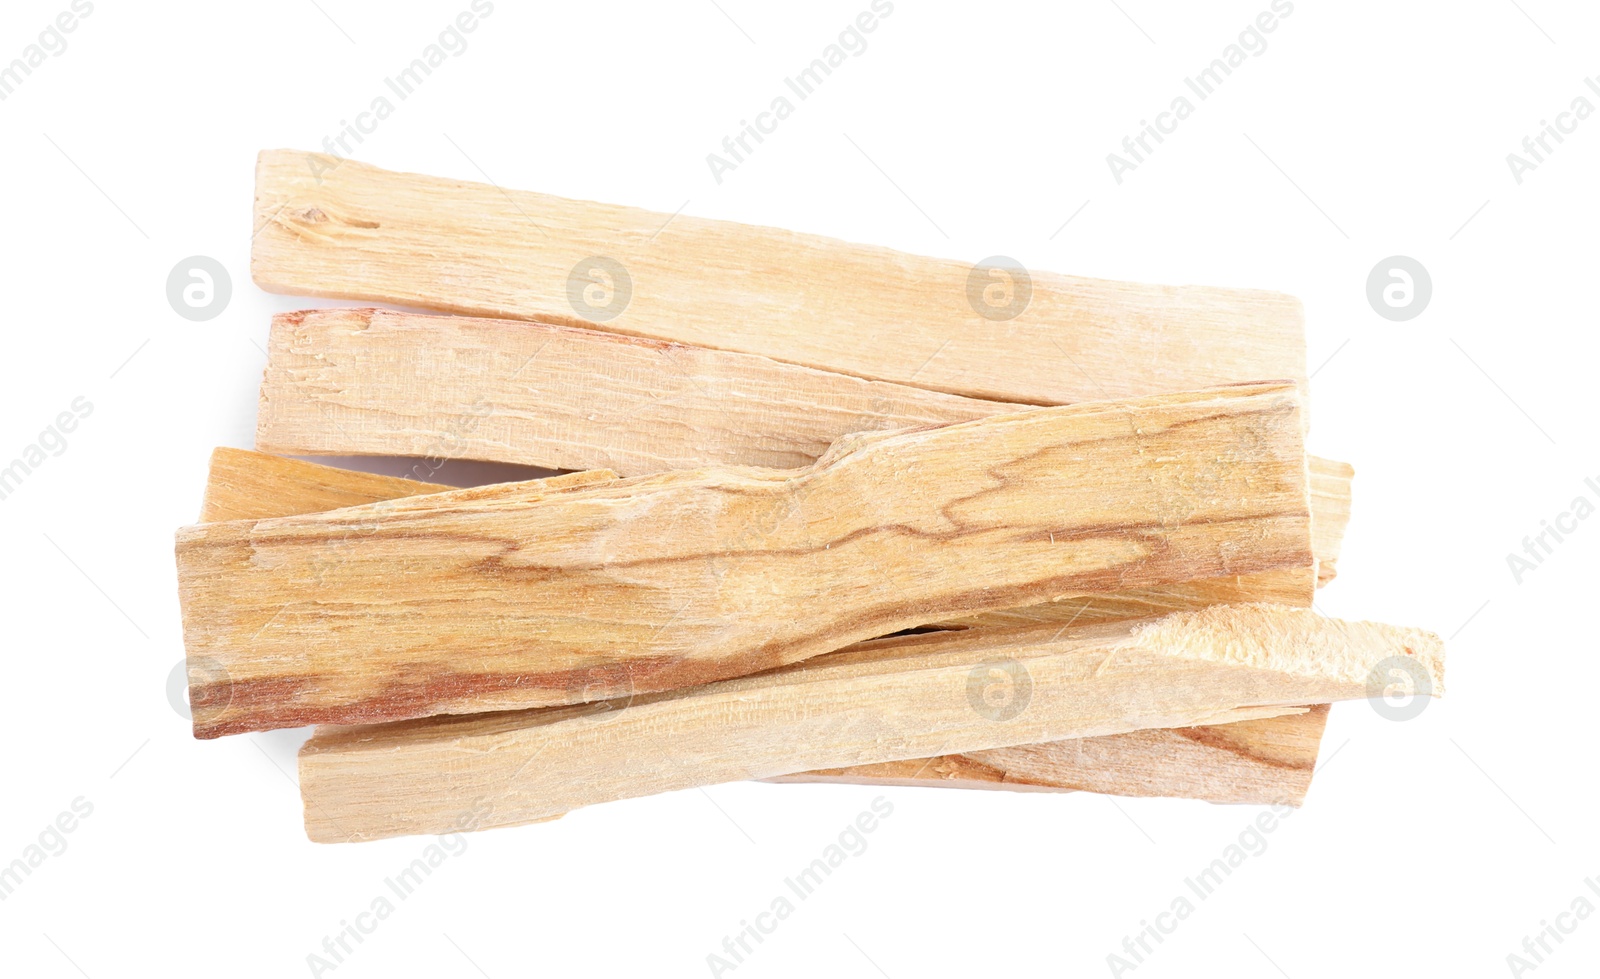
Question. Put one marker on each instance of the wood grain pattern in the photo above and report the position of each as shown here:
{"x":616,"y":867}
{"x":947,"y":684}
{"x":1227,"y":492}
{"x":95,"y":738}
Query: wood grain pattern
{"x":245,"y":485}
{"x":886,"y":701}
{"x":252,"y":485}
{"x":242,"y":484}
{"x":1284,"y":586}
{"x":1261,"y":761}
{"x":373,"y":382}
{"x":512,"y":595}
{"x":1330,"y":501}
{"x":348,"y":230}
{"x":349,"y":381}
{"x":1257,"y":761}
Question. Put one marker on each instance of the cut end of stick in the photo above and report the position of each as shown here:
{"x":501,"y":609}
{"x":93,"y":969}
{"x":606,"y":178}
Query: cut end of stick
{"x":1292,"y":640}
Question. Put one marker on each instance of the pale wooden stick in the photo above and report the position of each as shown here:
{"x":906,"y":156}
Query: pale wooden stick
{"x":372,"y":382}
{"x":887,"y":701}
{"x":1284,"y":586}
{"x":345,"y":229}
{"x":376,"y":382}
{"x":241,"y":484}
{"x":517,"y":595}
{"x":1330,"y":501}
{"x":1259,"y":761}
{"x":245,"y":485}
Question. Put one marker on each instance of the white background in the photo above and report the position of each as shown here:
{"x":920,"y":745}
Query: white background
{"x":1364,"y":130}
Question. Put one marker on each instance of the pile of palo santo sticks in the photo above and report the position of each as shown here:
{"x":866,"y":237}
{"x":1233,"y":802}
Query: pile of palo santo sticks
{"x":835,"y":513}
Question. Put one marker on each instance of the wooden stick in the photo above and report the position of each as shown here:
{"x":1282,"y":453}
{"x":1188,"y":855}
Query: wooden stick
{"x":1283,"y":586}
{"x":1267,"y":760}
{"x":1330,"y":501}
{"x":1257,"y":761}
{"x":376,"y":382}
{"x":1260,"y":761}
{"x":515,"y":595}
{"x":908,"y":697}
{"x":245,"y":485}
{"x":331,"y":227}
{"x":373,"y":382}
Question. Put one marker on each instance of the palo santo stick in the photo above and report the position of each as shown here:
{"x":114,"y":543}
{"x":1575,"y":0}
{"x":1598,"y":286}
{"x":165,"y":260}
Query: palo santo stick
{"x":1330,"y":514}
{"x":907,"y":697}
{"x":1255,"y":761}
{"x":331,"y":227}
{"x":512,"y":596}
{"x":1283,"y":586}
{"x":244,"y":485}
{"x":1260,"y":760}
{"x":374,"y":382}
{"x":1330,"y":501}
{"x":252,"y":485}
